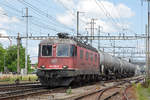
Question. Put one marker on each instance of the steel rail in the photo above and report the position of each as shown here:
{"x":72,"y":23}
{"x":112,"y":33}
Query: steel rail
{"x":124,"y":94}
{"x":114,"y":94}
{"x":2,"y":85}
{"x":105,"y":89}
{"x":25,"y":92}
{"x":11,"y":88}
{"x":19,"y":93}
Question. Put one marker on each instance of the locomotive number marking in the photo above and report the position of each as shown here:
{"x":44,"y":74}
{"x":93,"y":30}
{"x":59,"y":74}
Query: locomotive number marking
{"x":54,"y":66}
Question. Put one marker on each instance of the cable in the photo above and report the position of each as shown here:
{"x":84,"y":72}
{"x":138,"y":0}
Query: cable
{"x":69,"y":10}
{"x":66,"y":8}
{"x":119,"y":20}
{"x":44,"y":26}
{"x":12,"y":8}
{"x":42,"y":13}
{"x":18,"y":11}
{"x":106,"y":12}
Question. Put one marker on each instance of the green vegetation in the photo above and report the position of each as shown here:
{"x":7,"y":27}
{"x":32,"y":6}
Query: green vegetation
{"x":2,"y":53}
{"x":69,"y":91}
{"x":8,"y":58}
{"x":142,"y":92}
{"x":13,"y":78}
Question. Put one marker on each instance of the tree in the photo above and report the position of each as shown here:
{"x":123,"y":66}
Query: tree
{"x":2,"y":57}
{"x":11,"y":59}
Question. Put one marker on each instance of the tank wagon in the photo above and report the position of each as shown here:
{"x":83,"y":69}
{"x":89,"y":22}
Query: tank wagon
{"x":114,"y":66}
{"x":66,"y":60}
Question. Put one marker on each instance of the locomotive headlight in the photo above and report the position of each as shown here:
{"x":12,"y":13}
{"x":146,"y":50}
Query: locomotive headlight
{"x":42,"y":66}
{"x":65,"y":67}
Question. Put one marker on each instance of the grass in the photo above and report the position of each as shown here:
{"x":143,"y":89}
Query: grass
{"x":142,"y":92}
{"x":13,"y":78}
{"x":69,"y":91}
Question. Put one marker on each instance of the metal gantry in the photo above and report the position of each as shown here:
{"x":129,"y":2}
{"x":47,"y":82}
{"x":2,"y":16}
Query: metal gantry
{"x":136,"y":37}
{"x":117,"y":47}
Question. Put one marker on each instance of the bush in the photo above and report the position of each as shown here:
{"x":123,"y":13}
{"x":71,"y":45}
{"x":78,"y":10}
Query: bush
{"x":13,"y":78}
{"x":142,"y":92}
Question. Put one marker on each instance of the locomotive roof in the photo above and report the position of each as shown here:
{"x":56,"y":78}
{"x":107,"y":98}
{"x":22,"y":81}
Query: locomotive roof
{"x":59,"y":40}
{"x":68,"y":41}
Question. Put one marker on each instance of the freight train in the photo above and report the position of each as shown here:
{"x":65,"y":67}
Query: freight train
{"x":67,"y":60}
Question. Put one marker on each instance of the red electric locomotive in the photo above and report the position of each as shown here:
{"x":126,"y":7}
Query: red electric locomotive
{"x":65,"y":60}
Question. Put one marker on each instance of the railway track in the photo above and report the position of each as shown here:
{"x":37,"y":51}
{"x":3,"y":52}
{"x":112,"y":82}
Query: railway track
{"x":6,"y":88}
{"x":15,"y":84}
{"x":34,"y":89}
{"x":116,"y":89}
{"x":104,"y":92}
{"x":17,"y":93}
{"x":9,"y":91}
{"x":125,"y":93}
{"x":23,"y":93}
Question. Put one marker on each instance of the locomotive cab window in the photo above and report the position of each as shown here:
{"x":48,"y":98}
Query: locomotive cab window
{"x":63,"y":50}
{"x":46,"y":50}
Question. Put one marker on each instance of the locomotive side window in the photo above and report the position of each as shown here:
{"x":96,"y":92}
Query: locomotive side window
{"x":81,"y":54}
{"x":87,"y":55}
{"x":47,"y":50}
{"x":73,"y":51}
{"x":95,"y":58}
{"x":91,"y":56}
{"x":63,"y":50}
{"x":75,"y":54}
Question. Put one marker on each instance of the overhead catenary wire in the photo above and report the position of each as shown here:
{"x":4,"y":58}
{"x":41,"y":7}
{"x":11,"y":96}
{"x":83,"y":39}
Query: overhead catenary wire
{"x":11,"y":7}
{"x":45,"y":14}
{"x":74,"y":14}
{"x":40,"y":24}
{"x":16,"y":15}
{"x":119,"y":16}
{"x":45,"y":22}
{"x":19,"y":13}
{"x":106,"y":12}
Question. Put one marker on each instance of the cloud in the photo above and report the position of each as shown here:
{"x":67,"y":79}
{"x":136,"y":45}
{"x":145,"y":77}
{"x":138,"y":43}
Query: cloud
{"x":3,"y":33}
{"x":5,"y":20}
{"x":67,"y":19}
{"x":2,"y":10}
{"x":34,"y":60}
{"x":124,"y":11}
{"x":108,"y":15}
{"x":15,"y":20}
{"x":33,"y":52}
{"x":67,"y":3}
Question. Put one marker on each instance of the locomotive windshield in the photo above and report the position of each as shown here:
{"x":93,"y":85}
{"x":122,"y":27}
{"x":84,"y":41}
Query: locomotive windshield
{"x":47,"y":50}
{"x":63,"y":50}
